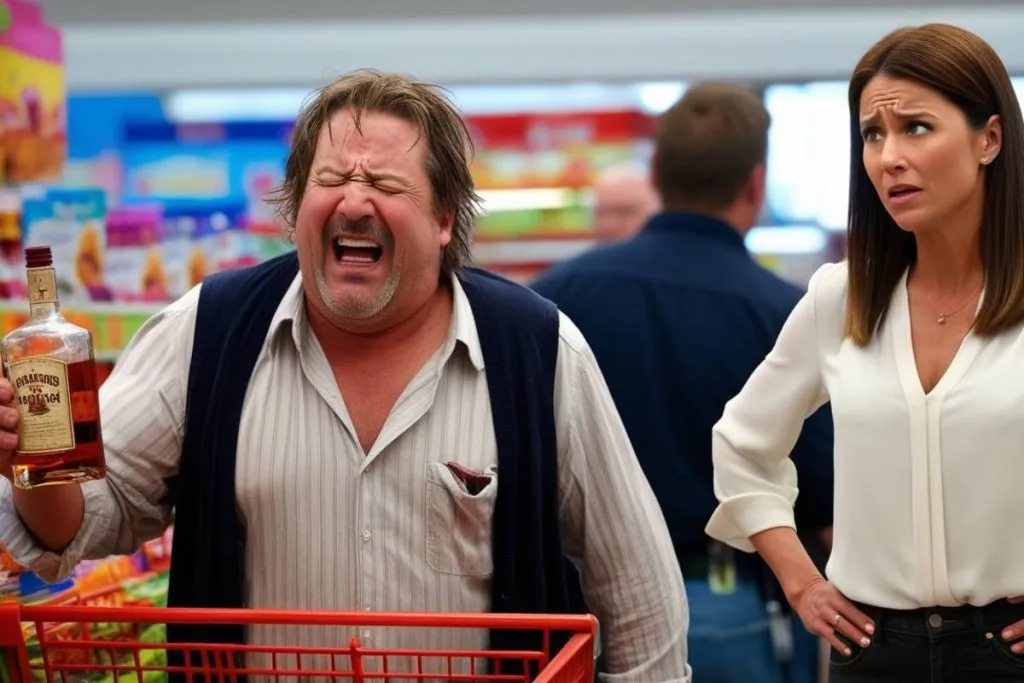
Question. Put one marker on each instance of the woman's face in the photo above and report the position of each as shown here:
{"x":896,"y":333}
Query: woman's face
{"x":922,"y":155}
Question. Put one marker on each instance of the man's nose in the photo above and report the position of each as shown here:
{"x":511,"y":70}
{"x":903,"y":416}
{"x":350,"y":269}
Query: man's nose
{"x":354,"y":203}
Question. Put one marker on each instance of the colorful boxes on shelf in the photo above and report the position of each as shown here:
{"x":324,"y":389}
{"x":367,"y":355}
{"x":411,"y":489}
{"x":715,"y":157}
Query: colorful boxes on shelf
{"x":33,"y":103}
{"x":111,"y":324}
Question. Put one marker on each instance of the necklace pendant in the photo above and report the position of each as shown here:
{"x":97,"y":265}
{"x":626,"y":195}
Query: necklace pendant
{"x":941,"y":320}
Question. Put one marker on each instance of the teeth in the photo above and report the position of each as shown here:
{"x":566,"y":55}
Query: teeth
{"x":361,"y":244}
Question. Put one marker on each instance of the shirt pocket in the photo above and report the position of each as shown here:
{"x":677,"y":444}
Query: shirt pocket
{"x":460,"y":509}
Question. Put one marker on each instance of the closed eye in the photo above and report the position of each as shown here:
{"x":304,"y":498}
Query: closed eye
{"x":329,"y":179}
{"x":388,"y":184}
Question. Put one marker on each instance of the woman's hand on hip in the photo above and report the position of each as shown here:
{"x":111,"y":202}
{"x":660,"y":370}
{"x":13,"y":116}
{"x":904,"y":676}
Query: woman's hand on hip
{"x":1014,"y":633}
{"x":825,"y":611}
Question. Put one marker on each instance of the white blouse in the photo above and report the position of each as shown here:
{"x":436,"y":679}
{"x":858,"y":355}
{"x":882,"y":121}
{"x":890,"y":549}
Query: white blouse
{"x":929,"y":492}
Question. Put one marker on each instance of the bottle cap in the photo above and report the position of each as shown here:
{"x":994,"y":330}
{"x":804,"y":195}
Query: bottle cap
{"x":38,"y":257}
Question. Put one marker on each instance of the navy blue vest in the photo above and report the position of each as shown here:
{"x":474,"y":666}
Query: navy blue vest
{"x":519,"y":338}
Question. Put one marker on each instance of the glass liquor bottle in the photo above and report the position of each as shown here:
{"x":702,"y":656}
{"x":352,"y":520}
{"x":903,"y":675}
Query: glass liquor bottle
{"x":50,"y":364}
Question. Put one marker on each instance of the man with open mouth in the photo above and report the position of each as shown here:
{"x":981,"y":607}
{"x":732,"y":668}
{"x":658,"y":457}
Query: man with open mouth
{"x":330,"y":427}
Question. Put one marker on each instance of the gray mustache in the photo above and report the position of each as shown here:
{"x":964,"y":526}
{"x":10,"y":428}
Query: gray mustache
{"x":364,"y":227}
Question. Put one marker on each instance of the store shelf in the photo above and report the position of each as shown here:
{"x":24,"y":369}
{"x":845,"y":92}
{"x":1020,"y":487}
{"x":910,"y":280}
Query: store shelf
{"x":534,"y":250}
{"x":541,"y":236}
{"x":526,"y":198}
{"x":112,"y":324}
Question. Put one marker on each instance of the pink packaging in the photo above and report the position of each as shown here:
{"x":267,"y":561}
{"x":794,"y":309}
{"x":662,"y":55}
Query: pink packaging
{"x":135,"y":270}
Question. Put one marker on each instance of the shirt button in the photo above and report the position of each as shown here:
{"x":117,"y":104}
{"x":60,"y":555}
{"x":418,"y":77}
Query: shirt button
{"x":935,"y":620}
{"x":367,"y":535}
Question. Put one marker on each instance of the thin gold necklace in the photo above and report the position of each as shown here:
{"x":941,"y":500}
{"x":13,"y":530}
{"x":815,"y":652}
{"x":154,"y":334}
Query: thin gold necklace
{"x":943,"y":317}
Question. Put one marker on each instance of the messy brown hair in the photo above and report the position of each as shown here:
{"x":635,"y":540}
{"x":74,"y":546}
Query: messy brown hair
{"x":441,"y":126}
{"x":965,"y":70}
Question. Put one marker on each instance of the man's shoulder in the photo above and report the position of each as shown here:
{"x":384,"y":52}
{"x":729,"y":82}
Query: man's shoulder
{"x":283,"y":266}
{"x":239,"y":293}
{"x":570,"y":338}
{"x":828,"y":279}
{"x":590,"y":264}
{"x":485,"y":286}
{"x":771,"y":287}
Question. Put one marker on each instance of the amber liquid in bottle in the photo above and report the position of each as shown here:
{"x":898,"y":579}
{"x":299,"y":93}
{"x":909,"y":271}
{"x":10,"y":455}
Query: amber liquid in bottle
{"x":51,"y":366}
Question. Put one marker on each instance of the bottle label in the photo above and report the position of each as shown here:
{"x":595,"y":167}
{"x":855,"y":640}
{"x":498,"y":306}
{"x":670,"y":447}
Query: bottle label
{"x":42,"y":286}
{"x":44,"y":404}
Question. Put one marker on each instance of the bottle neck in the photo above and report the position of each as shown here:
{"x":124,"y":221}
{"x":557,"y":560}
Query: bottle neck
{"x":42,"y":311}
{"x":42,"y":293}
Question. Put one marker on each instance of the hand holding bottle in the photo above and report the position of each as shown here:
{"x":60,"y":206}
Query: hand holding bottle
{"x":49,"y":430}
{"x":50,"y":361}
{"x":52,"y":513}
{"x":8,"y":428}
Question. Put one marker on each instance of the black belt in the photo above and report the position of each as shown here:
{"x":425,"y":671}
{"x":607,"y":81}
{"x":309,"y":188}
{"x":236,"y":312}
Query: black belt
{"x":992,"y":617}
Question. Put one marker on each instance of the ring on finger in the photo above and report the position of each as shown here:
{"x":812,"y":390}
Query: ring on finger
{"x":836,"y":619}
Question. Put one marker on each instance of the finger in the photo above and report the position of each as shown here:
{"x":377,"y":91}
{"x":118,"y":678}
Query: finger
{"x":850,"y":630}
{"x":8,"y":418}
{"x":6,"y":392}
{"x":860,"y":621}
{"x":1016,"y":600}
{"x":1015,"y":632}
{"x":8,"y":441}
{"x":838,"y":645}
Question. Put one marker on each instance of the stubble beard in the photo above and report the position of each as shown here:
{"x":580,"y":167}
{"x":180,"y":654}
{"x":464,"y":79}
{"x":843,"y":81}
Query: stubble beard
{"x":355,"y":307}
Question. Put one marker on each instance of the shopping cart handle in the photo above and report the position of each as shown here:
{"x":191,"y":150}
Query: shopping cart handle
{"x":189,"y":615}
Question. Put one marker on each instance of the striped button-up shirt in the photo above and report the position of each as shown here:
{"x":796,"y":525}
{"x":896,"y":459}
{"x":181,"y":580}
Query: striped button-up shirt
{"x":330,"y":526}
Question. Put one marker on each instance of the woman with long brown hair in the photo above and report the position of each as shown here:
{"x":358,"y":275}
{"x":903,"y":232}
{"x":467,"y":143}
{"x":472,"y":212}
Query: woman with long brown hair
{"x":917,"y":340}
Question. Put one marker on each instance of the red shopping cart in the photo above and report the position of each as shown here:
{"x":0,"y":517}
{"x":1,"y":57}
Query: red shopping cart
{"x":77,"y":643}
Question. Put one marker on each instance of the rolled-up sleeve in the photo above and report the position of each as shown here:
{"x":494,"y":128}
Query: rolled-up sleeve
{"x":755,"y":479}
{"x":612,"y":524}
{"x":142,"y":412}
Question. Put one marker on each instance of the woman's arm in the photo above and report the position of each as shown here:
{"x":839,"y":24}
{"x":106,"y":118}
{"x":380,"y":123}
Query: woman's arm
{"x":755,"y":480}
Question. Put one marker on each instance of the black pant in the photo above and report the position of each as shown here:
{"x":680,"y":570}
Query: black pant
{"x":934,"y":645}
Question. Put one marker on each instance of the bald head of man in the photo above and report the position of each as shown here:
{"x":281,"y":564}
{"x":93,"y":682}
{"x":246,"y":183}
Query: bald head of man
{"x":624,"y":198}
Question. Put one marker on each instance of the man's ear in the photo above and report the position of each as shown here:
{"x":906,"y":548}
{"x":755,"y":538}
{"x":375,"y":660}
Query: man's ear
{"x":446,"y":224}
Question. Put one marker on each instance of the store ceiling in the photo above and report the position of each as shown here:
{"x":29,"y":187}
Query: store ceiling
{"x":68,"y":12}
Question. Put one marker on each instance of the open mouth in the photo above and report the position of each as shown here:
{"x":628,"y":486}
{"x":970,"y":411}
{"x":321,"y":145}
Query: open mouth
{"x":898,"y":191}
{"x":356,"y":251}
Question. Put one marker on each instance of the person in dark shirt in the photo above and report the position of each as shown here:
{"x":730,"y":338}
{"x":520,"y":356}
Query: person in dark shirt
{"x":679,"y":316}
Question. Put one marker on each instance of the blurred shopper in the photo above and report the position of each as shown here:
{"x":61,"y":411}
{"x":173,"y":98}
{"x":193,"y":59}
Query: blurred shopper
{"x":917,"y":340}
{"x":624,"y":199}
{"x":330,"y":427}
{"x":678,"y":317}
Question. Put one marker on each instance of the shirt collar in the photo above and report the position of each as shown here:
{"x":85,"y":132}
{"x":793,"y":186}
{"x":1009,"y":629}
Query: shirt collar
{"x":291,"y":315}
{"x":678,"y":223}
